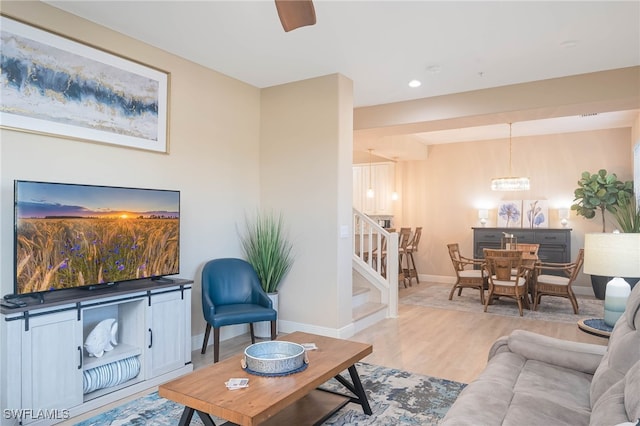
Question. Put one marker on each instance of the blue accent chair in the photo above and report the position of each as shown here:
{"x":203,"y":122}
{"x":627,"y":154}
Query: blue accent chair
{"x":231,"y":294}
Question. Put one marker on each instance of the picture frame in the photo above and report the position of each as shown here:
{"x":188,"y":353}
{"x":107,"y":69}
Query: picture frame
{"x":535,"y":214}
{"x":58,"y":86}
{"x":510,"y":214}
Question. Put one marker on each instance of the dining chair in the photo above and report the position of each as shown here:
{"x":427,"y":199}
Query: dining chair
{"x":546,"y":284}
{"x":507,"y":276}
{"x":469,"y":272}
{"x":412,"y":247}
{"x":232,"y":294}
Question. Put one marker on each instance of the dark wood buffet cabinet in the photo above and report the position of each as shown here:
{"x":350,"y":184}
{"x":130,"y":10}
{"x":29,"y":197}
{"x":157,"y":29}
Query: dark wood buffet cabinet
{"x":555,"y":243}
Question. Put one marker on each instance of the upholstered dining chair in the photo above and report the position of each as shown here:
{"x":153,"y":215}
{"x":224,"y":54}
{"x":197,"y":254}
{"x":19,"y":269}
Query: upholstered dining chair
{"x":546,"y":284}
{"x":469,"y":272}
{"x":232,"y":294}
{"x":507,"y":276}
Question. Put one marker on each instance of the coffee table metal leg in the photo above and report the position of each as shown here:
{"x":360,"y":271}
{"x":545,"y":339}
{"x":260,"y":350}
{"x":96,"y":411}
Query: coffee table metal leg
{"x":187,"y":415}
{"x":356,"y":388}
{"x":359,"y":391}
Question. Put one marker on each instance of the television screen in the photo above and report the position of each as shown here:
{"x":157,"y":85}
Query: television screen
{"x":70,"y":235}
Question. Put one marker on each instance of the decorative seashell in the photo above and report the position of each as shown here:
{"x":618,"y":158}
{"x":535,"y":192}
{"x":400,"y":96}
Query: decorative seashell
{"x":102,"y":338}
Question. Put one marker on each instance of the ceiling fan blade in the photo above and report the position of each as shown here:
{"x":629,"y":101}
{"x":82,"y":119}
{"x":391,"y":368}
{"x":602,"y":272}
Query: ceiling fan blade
{"x":295,"y":13}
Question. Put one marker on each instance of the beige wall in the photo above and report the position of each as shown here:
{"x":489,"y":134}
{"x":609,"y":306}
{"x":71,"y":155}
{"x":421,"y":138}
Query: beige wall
{"x":306,"y":140}
{"x":213,"y":160}
{"x":446,"y":190}
{"x":217,"y":162}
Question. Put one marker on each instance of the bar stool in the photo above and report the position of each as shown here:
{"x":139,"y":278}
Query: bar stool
{"x":403,"y":242}
{"x":412,"y":247}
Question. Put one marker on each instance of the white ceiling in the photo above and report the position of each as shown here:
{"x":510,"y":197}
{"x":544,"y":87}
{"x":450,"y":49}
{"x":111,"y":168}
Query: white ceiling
{"x":451,"y":46}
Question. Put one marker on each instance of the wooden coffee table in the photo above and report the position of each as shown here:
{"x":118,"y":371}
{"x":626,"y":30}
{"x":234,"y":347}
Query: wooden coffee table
{"x":291,"y":399}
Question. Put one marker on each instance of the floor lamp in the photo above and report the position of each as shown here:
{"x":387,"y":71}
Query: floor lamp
{"x":613,"y":255}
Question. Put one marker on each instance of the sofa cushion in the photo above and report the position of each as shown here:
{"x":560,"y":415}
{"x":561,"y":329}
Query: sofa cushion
{"x":623,"y":350}
{"x":632,"y":393}
{"x":547,"y":382}
{"x":539,"y":410}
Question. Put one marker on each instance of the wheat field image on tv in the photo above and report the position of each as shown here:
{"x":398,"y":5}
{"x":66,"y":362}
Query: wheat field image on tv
{"x":72,"y":235}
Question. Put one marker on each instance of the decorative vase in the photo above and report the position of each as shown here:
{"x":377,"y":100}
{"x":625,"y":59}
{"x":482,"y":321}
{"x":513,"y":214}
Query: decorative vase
{"x":263,"y":328}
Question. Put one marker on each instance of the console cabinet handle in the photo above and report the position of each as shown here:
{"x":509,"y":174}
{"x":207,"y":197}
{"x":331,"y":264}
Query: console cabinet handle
{"x":150,"y":338}
{"x":80,"y":354}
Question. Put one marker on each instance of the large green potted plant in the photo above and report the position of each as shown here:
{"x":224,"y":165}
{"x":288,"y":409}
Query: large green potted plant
{"x":268,"y":250}
{"x":602,"y":192}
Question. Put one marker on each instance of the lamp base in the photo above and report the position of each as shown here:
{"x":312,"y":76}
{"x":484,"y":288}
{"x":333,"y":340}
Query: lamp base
{"x":615,"y":300}
{"x":599,"y":284}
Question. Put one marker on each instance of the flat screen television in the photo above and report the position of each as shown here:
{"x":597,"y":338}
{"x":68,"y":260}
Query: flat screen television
{"x":70,"y":235}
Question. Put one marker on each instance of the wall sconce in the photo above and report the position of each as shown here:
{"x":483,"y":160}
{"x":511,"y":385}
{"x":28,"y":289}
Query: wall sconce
{"x":483,"y":215}
{"x":564,"y":217}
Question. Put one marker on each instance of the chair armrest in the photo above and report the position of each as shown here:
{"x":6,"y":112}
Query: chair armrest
{"x":583,"y":357}
{"x":470,"y":261}
{"x":262,"y":299}
{"x":208,"y":308}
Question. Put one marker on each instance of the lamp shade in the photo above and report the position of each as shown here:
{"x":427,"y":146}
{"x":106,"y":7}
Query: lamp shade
{"x":612,"y":255}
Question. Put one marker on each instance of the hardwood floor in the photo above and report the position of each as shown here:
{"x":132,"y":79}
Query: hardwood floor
{"x":435,"y":342}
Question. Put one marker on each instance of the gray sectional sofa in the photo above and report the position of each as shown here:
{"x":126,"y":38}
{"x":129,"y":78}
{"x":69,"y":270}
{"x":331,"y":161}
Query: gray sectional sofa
{"x":532,"y":379}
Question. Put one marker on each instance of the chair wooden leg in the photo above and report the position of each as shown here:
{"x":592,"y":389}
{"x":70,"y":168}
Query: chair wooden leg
{"x":520,"y":299}
{"x":453,"y":289}
{"x":273,"y":330}
{"x":487,"y":299}
{"x":253,"y":336}
{"x":415,"y":270}
{"x":206,"y":339}
{"x":482,"y":294}
{"x":216,"y":344}
{"x":574,"y":303}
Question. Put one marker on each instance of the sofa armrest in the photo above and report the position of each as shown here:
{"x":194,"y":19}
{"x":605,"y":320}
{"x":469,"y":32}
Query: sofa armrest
{"x":577,"y":356}
{"x":500,"y":345}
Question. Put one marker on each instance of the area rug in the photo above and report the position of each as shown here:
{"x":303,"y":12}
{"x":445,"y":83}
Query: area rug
{"x":550,"y":308}
{"x":396,"y":398}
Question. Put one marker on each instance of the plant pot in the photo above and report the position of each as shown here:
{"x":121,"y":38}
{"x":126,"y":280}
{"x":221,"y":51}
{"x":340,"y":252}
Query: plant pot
{"x":263,"y":328}
{"x":599,"y":284}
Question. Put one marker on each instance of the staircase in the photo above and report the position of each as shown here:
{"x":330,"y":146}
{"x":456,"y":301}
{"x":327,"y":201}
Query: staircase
{"x":375,"y":290}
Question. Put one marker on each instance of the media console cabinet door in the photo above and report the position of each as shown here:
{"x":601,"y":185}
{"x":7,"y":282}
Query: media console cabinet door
{"x":166,"y":332}
{"x":52,"y":362}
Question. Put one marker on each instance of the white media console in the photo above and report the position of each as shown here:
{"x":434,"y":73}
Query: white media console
{"x":46,"y":375}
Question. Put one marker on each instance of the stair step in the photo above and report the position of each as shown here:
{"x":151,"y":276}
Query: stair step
{"x":360,"y":296}
{"x":367,"y":309}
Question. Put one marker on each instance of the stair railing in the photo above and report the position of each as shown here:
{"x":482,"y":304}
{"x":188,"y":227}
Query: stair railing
{"x":375,"y":256}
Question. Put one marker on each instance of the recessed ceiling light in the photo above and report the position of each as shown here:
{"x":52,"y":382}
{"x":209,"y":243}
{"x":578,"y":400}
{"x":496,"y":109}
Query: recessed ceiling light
{"x":569,"y":44}
{"x":415,"y":83}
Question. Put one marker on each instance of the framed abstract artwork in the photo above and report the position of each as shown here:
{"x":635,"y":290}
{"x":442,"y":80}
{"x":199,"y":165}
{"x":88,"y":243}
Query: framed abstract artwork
{"x":536,"y":214}
{"x":510,"y":214}
{"x":54,"y":85}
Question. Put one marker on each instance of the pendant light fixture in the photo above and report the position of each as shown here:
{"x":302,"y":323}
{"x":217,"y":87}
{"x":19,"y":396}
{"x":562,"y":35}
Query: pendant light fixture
{"x":510,"y":183}
{"x":370,"y":192}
